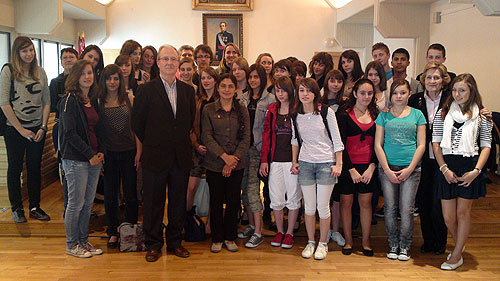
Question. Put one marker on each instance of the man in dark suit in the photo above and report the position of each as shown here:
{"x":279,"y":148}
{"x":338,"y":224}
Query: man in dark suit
{"x":162,"y":118}
{"x":221,"y":40}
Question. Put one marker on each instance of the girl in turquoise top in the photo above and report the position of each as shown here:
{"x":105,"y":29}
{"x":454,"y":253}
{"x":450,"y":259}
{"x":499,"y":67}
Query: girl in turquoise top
{"x":399,"y":145}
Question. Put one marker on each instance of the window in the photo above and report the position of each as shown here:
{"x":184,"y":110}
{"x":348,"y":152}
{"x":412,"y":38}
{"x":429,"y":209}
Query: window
{"x":51,"y":59}
{"x":38,"y":49}
{"x":48,"y":55}
{"x":4,"y":47}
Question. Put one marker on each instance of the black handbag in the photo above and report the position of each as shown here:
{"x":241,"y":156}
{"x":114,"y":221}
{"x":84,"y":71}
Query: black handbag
{"x":3,"y":118}
{"x":194,"y":227}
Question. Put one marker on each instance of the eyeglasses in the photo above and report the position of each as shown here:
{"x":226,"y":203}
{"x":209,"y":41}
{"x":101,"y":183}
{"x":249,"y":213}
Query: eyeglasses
{"x":203,"y":57}
{"x":167,"y":59}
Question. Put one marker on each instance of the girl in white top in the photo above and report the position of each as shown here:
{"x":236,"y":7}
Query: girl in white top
{"x":461,"y":140}
{"x":375,"y":72}
{"x":319,"y":162}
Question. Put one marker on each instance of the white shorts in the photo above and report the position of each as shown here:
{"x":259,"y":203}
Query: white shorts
{"x":282,"y":182}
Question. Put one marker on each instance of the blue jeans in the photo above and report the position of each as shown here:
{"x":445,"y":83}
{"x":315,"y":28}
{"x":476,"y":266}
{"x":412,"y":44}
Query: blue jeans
{"x":400,"y":196}
{"x":82,"y":181}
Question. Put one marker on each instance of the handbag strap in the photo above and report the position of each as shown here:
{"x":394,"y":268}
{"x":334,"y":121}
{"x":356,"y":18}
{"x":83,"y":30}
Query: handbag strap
{"x":11,"y":82}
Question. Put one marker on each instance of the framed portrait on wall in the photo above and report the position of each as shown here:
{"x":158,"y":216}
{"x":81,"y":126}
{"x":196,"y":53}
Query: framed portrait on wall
{"x":221,"y":29}
{"x":223,"y":5}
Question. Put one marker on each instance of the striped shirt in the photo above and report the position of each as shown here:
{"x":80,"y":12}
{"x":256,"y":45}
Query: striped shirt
{"x":172,"y":94}
{"x":484,"y":138}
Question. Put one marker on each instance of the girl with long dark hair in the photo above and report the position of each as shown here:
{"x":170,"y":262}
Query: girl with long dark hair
{"x":93,"y":54}
{"x":319,"y":162}
{"x":225,"y":160}
{"x":350,"y":66}
{"x":148,"y":62}
{"x":276,"y":161}
{"x":357,"y":128}
{"x":123,"y":149}
{"x":256,"y":100}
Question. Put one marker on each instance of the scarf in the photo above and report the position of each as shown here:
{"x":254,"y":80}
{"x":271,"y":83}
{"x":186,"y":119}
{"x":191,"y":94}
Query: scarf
{"x":469,"y":129}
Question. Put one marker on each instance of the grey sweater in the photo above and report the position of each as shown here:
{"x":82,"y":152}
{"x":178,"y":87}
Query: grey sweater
{"x":30,"y":97}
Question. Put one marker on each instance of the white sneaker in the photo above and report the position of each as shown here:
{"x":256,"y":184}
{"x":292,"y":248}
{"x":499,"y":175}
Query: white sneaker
{"x":92,"y":250}
{"x":321,"y":251}
{"x":308,"y":252}
{"x":78,"y":251}
{"x":337,"y":237}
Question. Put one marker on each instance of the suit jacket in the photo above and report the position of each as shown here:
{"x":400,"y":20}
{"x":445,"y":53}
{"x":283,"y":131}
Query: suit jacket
{"x":418,"y":101}
{"x":164,"y":137}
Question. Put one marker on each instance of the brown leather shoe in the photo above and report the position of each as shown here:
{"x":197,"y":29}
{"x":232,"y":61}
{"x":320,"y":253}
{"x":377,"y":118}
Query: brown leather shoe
{"x":152,"y":255}
{"x":180,"y":251}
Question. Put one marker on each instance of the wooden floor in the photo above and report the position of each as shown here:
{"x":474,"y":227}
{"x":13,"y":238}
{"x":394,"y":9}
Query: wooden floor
{"x":35,"y":251}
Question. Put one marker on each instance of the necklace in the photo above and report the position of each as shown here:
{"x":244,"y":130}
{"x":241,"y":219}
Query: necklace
{"x":360,"y":111}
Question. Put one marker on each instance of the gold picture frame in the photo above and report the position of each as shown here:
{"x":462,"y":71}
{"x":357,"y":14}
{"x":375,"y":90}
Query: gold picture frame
{"x":211,"y":28}
{"x":223,"y":5}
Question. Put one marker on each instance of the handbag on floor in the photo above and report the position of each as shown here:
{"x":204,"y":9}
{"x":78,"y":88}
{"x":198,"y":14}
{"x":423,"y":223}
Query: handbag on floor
{"x":131,"y":237}
{"x":194,"y":227}
{"x":202,"y":199}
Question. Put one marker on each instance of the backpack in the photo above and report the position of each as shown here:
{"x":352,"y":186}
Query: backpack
{"x":3,"y":118}
{"x":323,"y":113}
{"x":131,"y":237}
{"x":194,"y":227}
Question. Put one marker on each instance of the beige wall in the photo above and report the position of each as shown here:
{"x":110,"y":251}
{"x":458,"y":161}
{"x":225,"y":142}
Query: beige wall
{"x":281,"y":27}
{"x":7,"y":13}
{"x":472,"y":44}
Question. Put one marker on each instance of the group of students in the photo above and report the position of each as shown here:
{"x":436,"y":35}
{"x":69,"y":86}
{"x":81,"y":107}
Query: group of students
{"x":332,"y":139}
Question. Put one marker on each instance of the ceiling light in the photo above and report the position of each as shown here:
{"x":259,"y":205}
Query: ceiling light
{"x":338,"y":3}
{"x":105,"y":2}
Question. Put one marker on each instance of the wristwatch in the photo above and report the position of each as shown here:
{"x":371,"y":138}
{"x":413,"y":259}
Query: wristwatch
{"x":44,"y":128}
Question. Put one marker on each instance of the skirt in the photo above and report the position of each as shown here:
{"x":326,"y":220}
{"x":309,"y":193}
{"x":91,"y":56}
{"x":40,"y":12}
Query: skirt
{"x":460,"y":165}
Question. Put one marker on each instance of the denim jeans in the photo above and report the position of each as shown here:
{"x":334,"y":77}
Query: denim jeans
{"x":17,"y":146}
{"x":82,"y":180}
{"x":400,"y":196}
{"x":120,"y":166}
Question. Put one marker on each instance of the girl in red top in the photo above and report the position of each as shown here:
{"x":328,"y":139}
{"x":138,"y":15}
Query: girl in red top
{"x":276,"y":160}
{"x":357,"y":129}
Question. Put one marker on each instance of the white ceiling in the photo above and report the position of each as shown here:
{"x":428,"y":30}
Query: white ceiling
{"x":410,"y":1}
{"x":363,"y":17}
{"x":73,"y":12}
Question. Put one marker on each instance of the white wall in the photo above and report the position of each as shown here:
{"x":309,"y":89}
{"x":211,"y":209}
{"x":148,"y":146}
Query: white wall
{"x":472,"y":44}
{"x":393,"y":44}
{"x":281,"y":27}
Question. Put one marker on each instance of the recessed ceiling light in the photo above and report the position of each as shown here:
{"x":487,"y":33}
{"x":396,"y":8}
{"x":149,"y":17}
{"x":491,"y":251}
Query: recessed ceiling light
{"x":105,"y":2}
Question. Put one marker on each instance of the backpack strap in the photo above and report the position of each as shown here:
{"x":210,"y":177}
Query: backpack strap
{"x":11,"y":81}
{"x":294,"y":121}
{"x":324,"y":113}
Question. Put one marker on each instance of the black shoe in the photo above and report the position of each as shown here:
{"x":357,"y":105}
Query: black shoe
{"x":244,"y":222}
{"x":439,"y":250}
{"x":272,"y":226}
{"x":416,"y":212}
{"x":113,"y":245}
{"x":380,"y":213}
{"x":346,"y":251}
{"x":368,"y":253}
{"x":425,"y":248}
{"x":39,"y":214}
{"x":18,"y":216}
{"x":355,"y":222}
